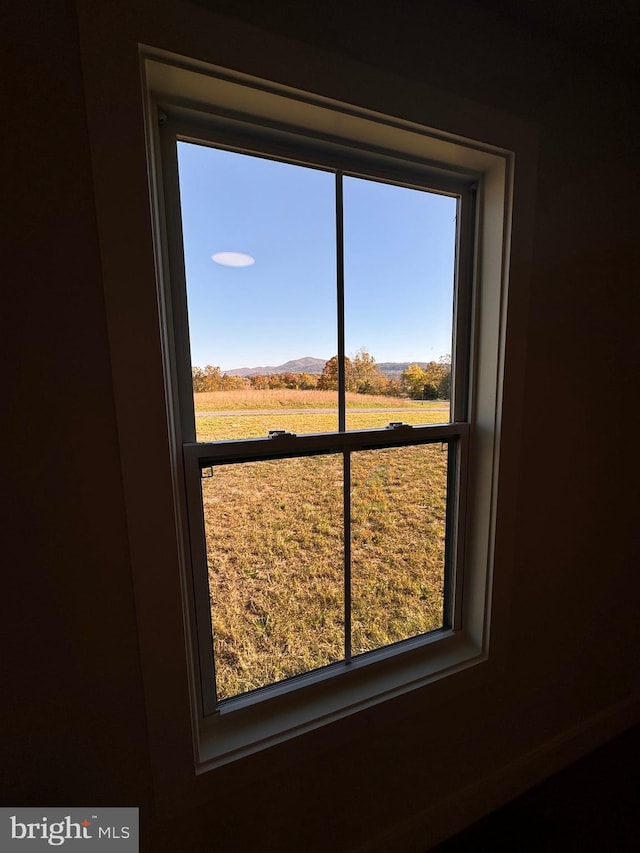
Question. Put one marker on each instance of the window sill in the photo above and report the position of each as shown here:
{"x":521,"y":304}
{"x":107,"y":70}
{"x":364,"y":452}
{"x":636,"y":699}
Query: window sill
{"x":248,"y":724}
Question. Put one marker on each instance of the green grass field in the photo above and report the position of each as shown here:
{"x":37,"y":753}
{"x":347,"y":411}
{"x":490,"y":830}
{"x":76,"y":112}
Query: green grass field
{"x":274,"y":533}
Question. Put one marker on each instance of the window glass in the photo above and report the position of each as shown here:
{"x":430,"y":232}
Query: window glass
{"x":399,"y":255}
{"x":274,"y":535}
{"x":398,"y":529}
{"x":260,"y":263}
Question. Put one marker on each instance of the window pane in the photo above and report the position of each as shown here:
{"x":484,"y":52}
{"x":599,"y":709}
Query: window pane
{"x":399,"y":257}
{"x":260,"y":260}
{"x":274,"y":533}
{"x":398,"y":526}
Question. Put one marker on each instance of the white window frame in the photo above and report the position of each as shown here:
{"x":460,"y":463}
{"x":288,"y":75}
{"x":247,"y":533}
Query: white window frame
{"x":203,"y":94}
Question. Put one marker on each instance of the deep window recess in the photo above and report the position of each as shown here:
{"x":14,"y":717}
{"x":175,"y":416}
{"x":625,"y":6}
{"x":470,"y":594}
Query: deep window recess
{"x":321,"y":326}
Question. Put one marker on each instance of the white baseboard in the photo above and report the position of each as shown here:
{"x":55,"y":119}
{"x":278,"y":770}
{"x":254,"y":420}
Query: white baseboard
{"x":450,"y":815}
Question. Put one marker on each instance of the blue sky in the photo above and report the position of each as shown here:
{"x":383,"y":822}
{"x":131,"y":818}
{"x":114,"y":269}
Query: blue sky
{"x":399,"y":259}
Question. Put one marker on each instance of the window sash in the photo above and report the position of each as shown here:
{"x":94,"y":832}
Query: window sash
{"x":198,"y":456}
{"x":375,"y":164}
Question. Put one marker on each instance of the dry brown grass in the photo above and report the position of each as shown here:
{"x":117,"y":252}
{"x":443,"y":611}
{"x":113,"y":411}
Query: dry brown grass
{"x":275,"y":552}
{"x":253,"y":426}
{"x":287,"y":398}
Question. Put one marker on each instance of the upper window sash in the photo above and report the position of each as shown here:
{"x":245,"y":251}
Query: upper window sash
{"x":297,"y":148}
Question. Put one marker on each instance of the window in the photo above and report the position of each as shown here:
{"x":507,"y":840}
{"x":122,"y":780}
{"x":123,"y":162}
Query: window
{"x":329,"y":533}
{"x":335,"y":554}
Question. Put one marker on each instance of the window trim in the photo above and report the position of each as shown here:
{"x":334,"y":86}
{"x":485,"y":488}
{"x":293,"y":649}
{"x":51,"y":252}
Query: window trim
{"x":228,"y":736}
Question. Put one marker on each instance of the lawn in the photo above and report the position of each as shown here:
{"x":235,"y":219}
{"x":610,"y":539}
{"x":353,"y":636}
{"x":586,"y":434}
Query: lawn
{"x":274,"y":533}
{"x":251,"y":414}
{"x":287,"y":398}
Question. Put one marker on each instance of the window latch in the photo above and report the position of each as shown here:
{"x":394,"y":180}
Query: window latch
{"x":398,"y":425}
{"x":279,"y":433}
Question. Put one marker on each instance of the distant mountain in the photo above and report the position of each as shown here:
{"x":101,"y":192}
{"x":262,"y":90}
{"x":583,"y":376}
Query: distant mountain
{"x":308,"y":364}
{"x":394,"y":369}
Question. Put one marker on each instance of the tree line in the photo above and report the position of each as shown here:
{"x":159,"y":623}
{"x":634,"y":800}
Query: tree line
{"x":362,"y":376}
